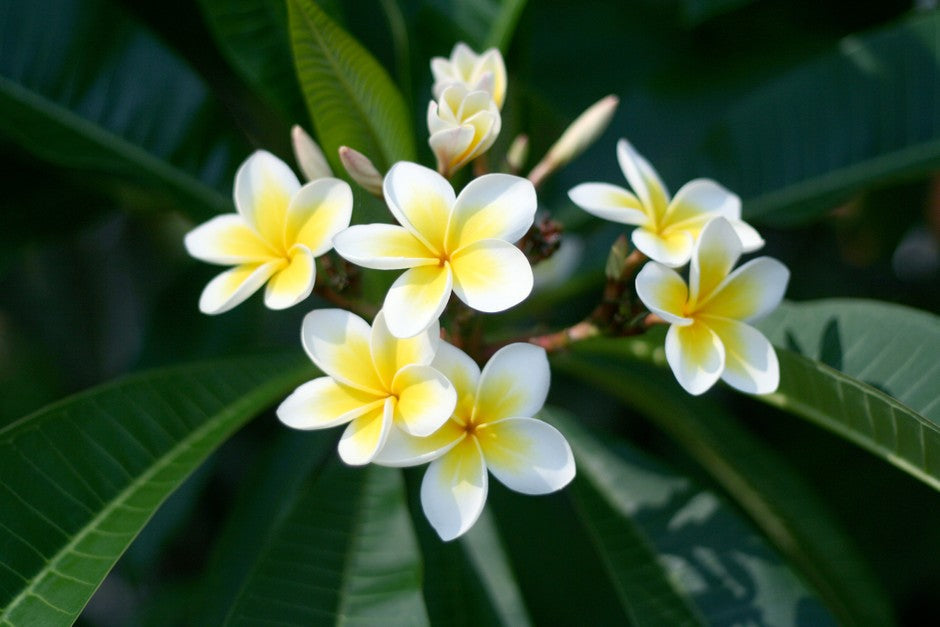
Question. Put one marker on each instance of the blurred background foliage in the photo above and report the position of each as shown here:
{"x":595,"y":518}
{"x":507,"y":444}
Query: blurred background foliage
{"x":824,"y":117}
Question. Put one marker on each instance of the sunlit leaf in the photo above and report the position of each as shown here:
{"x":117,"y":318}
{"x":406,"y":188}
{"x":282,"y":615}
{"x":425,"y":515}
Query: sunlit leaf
{"x":82,"y":477}
{"x":121,"y":105}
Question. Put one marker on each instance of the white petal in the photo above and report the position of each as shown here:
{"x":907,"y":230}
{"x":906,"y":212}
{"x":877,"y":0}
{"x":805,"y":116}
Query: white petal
{"x":463,"y":373}
{"x":514,"y":382}
{"x":417,"y":299}
{"x":695,"y":355}
{"x":383,"y":247}
{"x":264,"y":186}
{"x":673,"y":250}
{"x":293,"y":283}
{"x":454,"y":489}
{"x":643,"y":179}
{"x":324,"y":403}
{"x":366,"y":435}
{"x":426,"y":400}
{"x":491,"y":275}
{"x":609,"y":202}
{"x":750,"y":238}
{"x":228,"y":240}
{"x":451,"y":146}
{"x":750,"y":361}
{"x":750,"y":292}
{"x":338,"y":343}
{"x":701,"y":200}
{"x":663,"y":292}
{"x":390,"y":354}
{"x":717,"y":250}
{"x":320,"y":210}
{"x":491,"y":62}
{"x":527,"y":455}
{"x":421,"y":200}
{"x":233,"y":286}
{"x":493,"y":206}
{"x":402,"y":449}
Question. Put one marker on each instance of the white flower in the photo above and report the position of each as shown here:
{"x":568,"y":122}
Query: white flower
{"x":279,"y":229}
{"x":374,"y":381}
{"x":463,"y":125}
{"x":666,"y":228}
{"x":492,"y":430}
{"x":448,"y":243}
{"x":708,"y":337}
{"x":485,"y":72}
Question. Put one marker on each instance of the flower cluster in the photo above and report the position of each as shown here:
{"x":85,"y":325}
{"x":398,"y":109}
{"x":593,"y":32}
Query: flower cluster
{"x":708,"y":337}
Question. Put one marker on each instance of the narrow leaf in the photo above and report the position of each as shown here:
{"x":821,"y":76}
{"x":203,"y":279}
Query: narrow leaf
{"x":82,"y":477}
{"x":87,"y":107}
{"x":351,"y":99}
{"x":763,"y":484}
{"x":481,"y":24}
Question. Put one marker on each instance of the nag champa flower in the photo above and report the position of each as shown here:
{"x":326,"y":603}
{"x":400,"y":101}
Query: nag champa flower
{"x":485,"y":72}
{"x":666,"y":228}
{"x":463,"y":125}
{"x":374,"y":381}
{"x":708,"y":337}
{"x":460,"y":244}
{"x":491,"y":431}
{"x":279,"y":230}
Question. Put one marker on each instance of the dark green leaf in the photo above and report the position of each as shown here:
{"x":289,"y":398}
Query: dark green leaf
{"x":678,"y":555}
{"x":694,"y":12}
{"x":119,"y":105}
{"x":253,"y":35}
{"x":762,"y":483}
{"x":350,"y":97}
{"x":482,"y":24}
{"x":82,"y":477}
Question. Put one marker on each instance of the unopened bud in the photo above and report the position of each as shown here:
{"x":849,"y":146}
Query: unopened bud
{"x":579,"y":135}
{"x":309,"y":157}
{"x":616,"y":259}
{"x":518,"y":153}
{"x":361,"y":170}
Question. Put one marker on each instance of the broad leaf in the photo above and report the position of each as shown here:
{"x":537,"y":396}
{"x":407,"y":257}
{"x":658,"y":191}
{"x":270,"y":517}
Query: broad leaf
{"x":82,"y":477}
{"x":324,"y":543}
{"x":482,"y":24}
{"x":794,"y":148}
{"x":694,"y":12}
{"x":350,"y":97}
{"x":762,"y":483}
{"x":120,"y":105}
{"x":253,"y":36}
{"x":677,"y":553}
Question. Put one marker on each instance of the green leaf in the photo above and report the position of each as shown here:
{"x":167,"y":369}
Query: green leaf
{"x":876,"y":381}
{"x":482,"y":24}
{"x":695,"y":12}
{"x":762,"y":483}
{"x":322,"y":542}
{"x":350,"y":97}
{"x":253,"y":36}
{"x":126,"y":107}
{"x":82,"y":477}
{"x":677,"y":554}
{"x":860,"y":116}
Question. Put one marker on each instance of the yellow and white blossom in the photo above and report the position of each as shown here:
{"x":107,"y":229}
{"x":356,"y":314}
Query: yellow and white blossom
{"x":463,"y":125}
{"x":374,"y":382}
{"x":491,"y":430}
{"x":667,"y":228}
{"x":474,"y":71}
{"x":708,"y":338}
{"x":279,"y":230}
{"x":461,"y":244}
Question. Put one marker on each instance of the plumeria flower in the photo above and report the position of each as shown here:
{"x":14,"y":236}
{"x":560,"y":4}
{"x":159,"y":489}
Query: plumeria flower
{"x":279,"y":230}
{"x":708,"y":338}
{"x":485,"y":72}
{"x":374,"y":381}
{"x":666,"y":229}
{"x":463,"y":125}
{"x":460,"y":244}
{"x":492,"y":430}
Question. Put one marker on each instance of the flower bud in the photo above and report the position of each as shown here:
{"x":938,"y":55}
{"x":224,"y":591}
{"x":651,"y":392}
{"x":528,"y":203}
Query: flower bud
{"x":579,"y":135}
{"x":361,"y":170}
{"x":309,"y":157}
{"x":463,"y":125}
{"x":518,"y":153}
